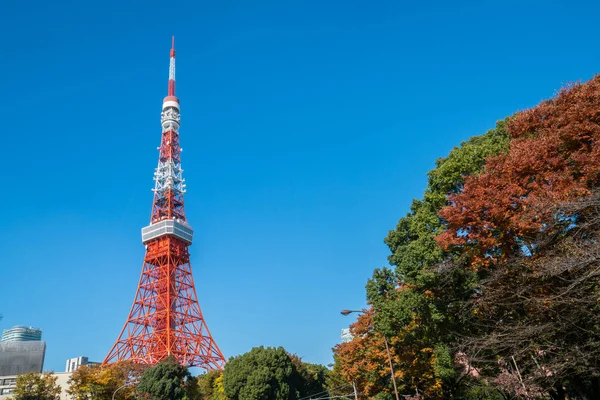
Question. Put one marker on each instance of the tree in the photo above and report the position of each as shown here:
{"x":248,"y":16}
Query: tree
{"x":535,"y":325}
{"x":337,"y":383}
{"x":210,"y":386}
{"x":553,"y":158}
{"x":261,"y":374}
{"x":311,"y":378}
{"x":219,"y":389}
{"x":413,"y":304}
{"x":168,"y":380}
{"x":33,"y":386}
{"x":528,"y":225}
{"x":100,"y":382}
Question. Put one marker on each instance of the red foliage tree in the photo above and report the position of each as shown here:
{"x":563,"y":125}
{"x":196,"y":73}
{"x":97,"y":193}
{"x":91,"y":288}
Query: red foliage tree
{"x":554,"y":157}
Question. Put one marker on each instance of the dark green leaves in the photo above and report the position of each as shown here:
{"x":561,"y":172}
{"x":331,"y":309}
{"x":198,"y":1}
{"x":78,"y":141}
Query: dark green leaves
{"x":167,"y":380}
{"x":261,"y":374}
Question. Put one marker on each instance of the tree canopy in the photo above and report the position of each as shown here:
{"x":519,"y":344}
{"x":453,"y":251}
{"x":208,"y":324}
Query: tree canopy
{"x":529,"y":225}
{"x":409,"y":302}
{"x":267,"y":373}
{"x":33,"y":386}
{"x":100,"y":382}
{"x":168,"y":380}
{"x":553,"y":158}
{"x":493,"y":286}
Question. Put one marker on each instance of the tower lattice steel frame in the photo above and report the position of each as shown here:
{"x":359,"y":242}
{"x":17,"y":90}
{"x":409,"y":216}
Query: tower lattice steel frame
{"x":165,"y":318}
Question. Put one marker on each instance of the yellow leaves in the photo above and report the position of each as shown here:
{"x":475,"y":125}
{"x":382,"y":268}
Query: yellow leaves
{"x":99,"y":382}
{"x":36,"y":386}
{"x":218,"y":389}
{"x":104,"y":376}
{"x":218,"y":384}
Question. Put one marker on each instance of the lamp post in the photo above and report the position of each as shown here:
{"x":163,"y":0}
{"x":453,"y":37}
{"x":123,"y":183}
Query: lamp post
{"x":387,"y":349}
{"x":119,"y":388}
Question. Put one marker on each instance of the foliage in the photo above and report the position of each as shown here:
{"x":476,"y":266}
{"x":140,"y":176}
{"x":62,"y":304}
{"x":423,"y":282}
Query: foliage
{"x":363,"y":360}
{"x":262,"y":373}
{"x":409,"y":304}
{"x":553,"y":158}
{"x":211,"y":387}
{"x":537,"y":324}
{"x":529,"y":226}
{"x":33,"y":386}
{"x":413,"y":246}
{"x":168,"y":380}
{"x":311,"y":378}
{"x":495,"y":286}
{"x":100,"y":382}
{"x":219,"y":389}
{"x":337,"y":384}
{"x":272,"y":374}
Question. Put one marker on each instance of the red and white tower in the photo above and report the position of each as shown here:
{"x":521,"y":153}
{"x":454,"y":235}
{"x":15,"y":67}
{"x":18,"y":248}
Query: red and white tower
{"x":165,"y":318}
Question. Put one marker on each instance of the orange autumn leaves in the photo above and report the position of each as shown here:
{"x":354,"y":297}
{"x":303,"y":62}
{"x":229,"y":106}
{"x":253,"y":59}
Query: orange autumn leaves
{"x":554,"y":157}
{"x":364,"y":361}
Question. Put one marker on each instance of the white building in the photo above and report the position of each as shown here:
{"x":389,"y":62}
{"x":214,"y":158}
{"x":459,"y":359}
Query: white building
{"x":8,"y":383}
{"x":346,"y":335}
{"x":74,"y":363}
{"x":21,"y":333}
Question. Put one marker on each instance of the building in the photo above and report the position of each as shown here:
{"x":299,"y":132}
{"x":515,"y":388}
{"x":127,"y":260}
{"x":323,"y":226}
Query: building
{"x":21,"y":357}
{"x":63,"y":382}
{"x":22,"y":350}
{"x":346,"y":335}
{"x":8,"y":384}
{"x":21,"y":334}
{"x":74,"y":363}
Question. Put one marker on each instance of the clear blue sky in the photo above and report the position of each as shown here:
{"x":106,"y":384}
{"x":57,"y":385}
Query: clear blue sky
{"x":307,"y":129}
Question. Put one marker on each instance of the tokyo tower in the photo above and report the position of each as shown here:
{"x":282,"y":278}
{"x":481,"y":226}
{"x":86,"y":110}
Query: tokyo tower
{"x":165,"y":318}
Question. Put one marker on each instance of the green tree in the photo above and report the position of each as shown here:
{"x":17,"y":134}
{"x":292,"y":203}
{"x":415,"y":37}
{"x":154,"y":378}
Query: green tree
{"x":415,"y":301}
{"x":37,"y":387}
{"x":413,"y":304}
{"x":210,"y":386}
{"x":168,"y":380}
{"x":311,"y":378}
{"x":261,"y":374}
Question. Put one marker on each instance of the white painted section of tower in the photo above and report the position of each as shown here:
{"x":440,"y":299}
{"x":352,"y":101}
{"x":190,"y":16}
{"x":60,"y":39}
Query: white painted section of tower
{"x":169,"y":119}
{"x":170,"y":103}
{"x":172,"y":69}
{"x":169,"y":174}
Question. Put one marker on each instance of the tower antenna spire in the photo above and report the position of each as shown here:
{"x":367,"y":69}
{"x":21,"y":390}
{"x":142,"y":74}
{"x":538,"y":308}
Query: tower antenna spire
{"x":172,"y":68}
